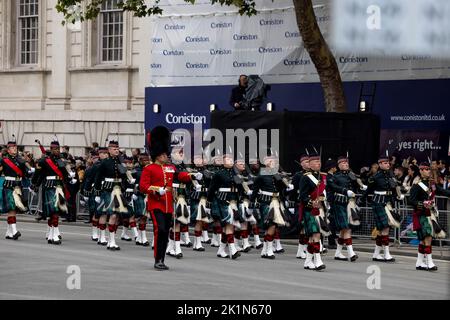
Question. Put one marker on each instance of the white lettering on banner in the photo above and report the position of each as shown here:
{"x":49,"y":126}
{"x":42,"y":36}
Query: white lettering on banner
{"x":269,"y":50}
{"x":201,"y":47}
{"x":197,"y":39}
{"x":298,"y":62}
{"x":221,"y":25}
{"x":247,"y":64}
{"x":288,"y":34}
{"x":185,"y":119}
{"x":245,"y":37}
{"x":173,"y":52}
{"x":271,"y":22}
{"x":214,"y":52}
{"x":174,"y":27}
{"x":197,"y":65}
{"x":353,"y":59}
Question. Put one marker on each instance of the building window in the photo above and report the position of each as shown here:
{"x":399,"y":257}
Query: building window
{"x":111,"y":31}
{"x":28,"y":31}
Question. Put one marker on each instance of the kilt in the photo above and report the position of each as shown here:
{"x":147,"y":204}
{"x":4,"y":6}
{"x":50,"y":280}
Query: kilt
{"x":425,"y":228}
{"x":215,"y":210}
{"x":310,"y":223}
{"x":49,"y":206}
{"x":139,"y":206}
{"x":381,"y":218}
{"x":105,"y":206}
{"x":225,"y":217}
{"x":92,"y":205}
{"x":340,"y":217}
{"x":264,"y":208}
{"x":193,"y":209}
{"x":8,"y":203}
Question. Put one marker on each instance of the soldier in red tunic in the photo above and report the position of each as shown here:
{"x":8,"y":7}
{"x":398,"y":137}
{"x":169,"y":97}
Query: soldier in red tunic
{"x":156,"y":181}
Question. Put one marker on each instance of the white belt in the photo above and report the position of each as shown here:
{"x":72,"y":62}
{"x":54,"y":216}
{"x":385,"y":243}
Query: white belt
{"x":53,"y":178}
{"x":272,"y":194}
{"x":13,"y":178}
{"x":178,"y":185}
{"x":382,"y":193}
{"x":129,"y":190}
{"x":341,"y":195}
{"x":224,"y":189}
{"x":113,"y":180}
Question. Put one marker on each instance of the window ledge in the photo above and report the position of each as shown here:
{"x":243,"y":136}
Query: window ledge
{"x":25,"y":70}
{"x":104,"y":67}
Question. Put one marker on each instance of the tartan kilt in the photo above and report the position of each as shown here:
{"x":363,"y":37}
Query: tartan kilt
{"x":264,"y":208}
{"x":8,"y":203}
{"x":2,"y":179}
{"x":425,"y":230}
{"x":106,"y":208}
{"x":381,"y":218}
{"x":193,"y":209}
{"x":215,"y":210}
{"x":310,"y":223}
{"x":139,"y":206}
{"x":340,"y":217}
{"x":92,"y":205}
{"x":49,"y":204}
{"x":223,"y":211}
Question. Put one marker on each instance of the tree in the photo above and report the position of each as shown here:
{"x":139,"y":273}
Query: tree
{"x":315,"y":44}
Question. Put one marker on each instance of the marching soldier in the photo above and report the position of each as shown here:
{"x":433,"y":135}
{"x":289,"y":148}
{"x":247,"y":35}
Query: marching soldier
{"x":384,"y":189}
{"x":343,"y":185}
{"x":100,"y":216}
{"x":253,"y":221}
{"x":128,"y":219}
{"x":111,"y":175}
{"x":140,"y":211}
{"x":422,"y":198}
{"x":267,"y":189}
{"x":88,"y":195}
{"x":14,"y":169}
{"x":200,"y":213}
{"x":157,"y":182}
{"x":311,"y":193}
{"x":224,"y":185}
{"x":294,"y":197}
{"x":53,"y":171}
{"x":182,"y":214}
{"x":215,"y":211}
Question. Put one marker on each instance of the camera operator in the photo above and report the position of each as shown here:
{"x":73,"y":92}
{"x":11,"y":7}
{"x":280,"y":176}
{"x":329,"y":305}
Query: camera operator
{"x":238,"y":92}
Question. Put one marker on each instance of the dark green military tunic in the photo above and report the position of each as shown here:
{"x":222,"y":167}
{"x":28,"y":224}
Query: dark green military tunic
{"x":382,"y":181}
{"x":12,"y":180}
{"x":337,"y":187}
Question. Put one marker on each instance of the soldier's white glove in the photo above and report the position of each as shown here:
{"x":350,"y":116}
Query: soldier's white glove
{"x":249,"y":192}
{"x":350,"y":193}
{"x":198,"y":176}
{"x":162,"y":191}
{"x":32,"y":170}
{"x":290,"y":187}
{"x":86,"y":199}
{"x":364,"y":187}
{"x":73,"y":181}
{"x":132,"y":181}
{"x":97,"y":199}
{"x":134,"y":197}
{"x":198,"y":187}
{"x":72,"y":174}
{"x":402,"y":197}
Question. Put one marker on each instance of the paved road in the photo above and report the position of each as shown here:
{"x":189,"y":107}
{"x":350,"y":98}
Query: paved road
{"x":32,"y":269}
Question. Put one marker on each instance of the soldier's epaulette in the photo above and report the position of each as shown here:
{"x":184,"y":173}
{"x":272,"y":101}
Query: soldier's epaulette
{"x":307,"y":173}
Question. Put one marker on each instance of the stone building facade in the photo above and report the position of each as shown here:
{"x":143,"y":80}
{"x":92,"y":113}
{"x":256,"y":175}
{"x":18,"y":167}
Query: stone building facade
{"x":79,"y":82}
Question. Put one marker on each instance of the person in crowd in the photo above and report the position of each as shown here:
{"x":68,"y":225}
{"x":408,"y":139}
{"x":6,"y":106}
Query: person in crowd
{"x":238,"y":93}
